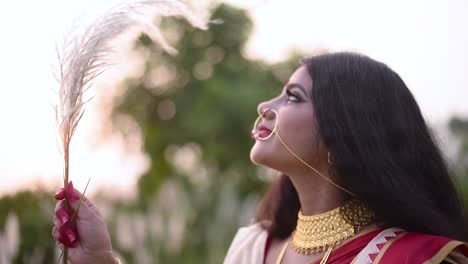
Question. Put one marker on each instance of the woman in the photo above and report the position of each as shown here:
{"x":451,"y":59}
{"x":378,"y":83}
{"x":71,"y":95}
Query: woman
{"x":363,"y":181}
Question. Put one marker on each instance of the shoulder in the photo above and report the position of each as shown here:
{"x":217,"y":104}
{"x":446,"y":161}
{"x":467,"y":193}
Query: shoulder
{"x":413,"y":247}
{"x":248,"y":245}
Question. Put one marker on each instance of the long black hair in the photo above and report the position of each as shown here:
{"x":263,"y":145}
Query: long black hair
{"x":382,"y":150}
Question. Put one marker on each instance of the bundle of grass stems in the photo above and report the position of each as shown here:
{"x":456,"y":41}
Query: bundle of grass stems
{"x":84,"y":57}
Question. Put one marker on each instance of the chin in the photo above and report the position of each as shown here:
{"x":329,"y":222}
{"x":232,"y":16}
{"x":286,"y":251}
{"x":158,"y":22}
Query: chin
{"x":259,"y":155}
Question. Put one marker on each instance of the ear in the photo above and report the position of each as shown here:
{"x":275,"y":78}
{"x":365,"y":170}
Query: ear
{"x":322,"y":150}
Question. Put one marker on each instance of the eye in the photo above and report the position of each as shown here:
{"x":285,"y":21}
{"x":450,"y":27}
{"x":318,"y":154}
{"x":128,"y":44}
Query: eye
{"x":292,"y":97}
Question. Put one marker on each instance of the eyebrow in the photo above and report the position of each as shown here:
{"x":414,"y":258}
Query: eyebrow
{"x":293,"y":85}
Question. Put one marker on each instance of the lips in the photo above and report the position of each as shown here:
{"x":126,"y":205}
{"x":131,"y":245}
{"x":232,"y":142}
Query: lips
{"x":264,"y":128}
{"x":261,"y":132}
{"x":264,"y":133}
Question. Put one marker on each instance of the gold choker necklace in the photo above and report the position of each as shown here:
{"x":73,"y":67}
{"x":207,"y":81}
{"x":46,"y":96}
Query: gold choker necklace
{"x":317,"y":233}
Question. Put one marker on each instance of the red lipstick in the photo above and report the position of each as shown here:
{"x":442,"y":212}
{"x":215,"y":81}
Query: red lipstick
{"x":263,"y":131}
{"x":264,"y":128}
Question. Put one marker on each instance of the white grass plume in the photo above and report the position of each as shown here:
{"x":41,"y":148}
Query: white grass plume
{"x":84,"y":57}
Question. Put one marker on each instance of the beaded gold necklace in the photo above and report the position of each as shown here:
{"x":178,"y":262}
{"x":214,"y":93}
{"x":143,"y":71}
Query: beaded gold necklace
{"x":317,"y":233}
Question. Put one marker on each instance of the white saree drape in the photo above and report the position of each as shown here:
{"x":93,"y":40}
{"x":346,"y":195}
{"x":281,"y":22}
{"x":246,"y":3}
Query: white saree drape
{"x":248,"y":246}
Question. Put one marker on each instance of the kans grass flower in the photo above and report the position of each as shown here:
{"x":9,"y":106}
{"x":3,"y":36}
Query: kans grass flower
{"x":83,"y":58}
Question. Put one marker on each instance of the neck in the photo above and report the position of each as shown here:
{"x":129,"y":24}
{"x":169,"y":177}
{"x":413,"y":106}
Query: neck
{"x":316,"y":195}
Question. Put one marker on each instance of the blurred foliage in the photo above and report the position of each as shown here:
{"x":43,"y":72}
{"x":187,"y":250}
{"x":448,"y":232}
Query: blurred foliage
{"x":27,"y":218}
{"x":195,"y":112}
{"x":459,"y":128}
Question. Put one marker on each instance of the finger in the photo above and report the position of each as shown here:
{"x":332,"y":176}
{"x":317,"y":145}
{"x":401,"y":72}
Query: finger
{"x":92,"y":207}
{"x":87,"y":208}
{"x":62,"y":215}
{"x":68,"y":237}
{"x":60,"y":245}
{"x":67,"y":193}
{"x":55,"y":233}
{"x":60,"y":195}
{"x":70,"y":193}
{"x":57,"y":222}
{"x":61,"y":212}
{"x":85,"y":212}
{"x":59,"y":204}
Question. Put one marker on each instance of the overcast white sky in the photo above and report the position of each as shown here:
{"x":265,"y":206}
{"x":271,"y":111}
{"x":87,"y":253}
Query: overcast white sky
{"x":424,"y":41}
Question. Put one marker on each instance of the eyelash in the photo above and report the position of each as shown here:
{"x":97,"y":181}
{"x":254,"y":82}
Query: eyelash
{"x":290,"y":94}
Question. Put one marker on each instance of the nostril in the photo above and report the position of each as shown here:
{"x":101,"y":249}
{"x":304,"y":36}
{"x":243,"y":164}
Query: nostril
{"x":268,"y":114}
{"x":261,"y":111}
{"x":265,"y":111}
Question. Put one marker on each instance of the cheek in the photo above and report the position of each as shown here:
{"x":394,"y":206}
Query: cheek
{"x":299,"y":131}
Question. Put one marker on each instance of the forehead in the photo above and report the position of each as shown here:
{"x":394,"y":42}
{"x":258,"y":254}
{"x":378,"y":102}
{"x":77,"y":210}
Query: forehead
{"x":301,"y":76}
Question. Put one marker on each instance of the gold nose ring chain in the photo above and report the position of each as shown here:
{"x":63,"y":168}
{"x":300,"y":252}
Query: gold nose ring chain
{"x":275,"y":131}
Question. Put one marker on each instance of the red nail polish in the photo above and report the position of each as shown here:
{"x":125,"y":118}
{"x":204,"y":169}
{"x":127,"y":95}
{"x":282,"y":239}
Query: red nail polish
{"x":60,"y":194}
{"x":71,"y":237}
{"x":62,"y":239}
{"x":66,"y":241}
{"x":68,"y":237}
{"x":62,"y":215}
{"x":70,"y":193}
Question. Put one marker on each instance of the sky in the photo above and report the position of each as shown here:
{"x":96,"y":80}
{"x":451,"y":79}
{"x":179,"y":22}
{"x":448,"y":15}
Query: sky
{"x":424,"y":41}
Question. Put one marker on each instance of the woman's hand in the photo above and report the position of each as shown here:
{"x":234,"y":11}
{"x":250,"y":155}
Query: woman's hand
{"x":86,"y":236}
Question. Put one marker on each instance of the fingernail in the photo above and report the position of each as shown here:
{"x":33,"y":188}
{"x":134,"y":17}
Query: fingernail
{"x":60,"y":194}
{"x":70,"y":193}
{"x":76,"y":195}
{"x":64,"y":240}
{"x":70,"y":187}
{"x":67,"y":236}
{"x":62,"y":215}
{"x":71,"y":237}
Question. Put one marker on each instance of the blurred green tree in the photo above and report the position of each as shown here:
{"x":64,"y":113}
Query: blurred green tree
{"x":459,"y":128}
{"x":33,"y":214}
{"x":195,"y":111}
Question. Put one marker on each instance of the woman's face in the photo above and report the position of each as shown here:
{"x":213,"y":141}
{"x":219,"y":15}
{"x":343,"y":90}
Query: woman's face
{"x":296,"y":126}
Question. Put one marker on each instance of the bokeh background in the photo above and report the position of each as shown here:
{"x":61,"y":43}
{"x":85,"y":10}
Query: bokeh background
{"x":166,"y":139}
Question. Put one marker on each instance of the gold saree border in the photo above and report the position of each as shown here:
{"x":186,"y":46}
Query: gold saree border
{"x":444,"y":251}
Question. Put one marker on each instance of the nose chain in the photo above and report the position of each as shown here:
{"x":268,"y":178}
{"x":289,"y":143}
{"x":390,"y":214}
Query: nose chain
{"x":275,"y":131}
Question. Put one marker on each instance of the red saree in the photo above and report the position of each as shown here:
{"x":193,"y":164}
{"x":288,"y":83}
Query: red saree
{"x":394,"y":246}
{"x":400,"y":247}
{"x":416,"y":248}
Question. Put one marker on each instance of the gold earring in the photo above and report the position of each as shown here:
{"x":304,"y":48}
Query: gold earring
{"x":330,"y":161}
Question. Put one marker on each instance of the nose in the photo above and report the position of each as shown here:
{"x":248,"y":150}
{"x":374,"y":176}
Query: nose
{"x":262,"y":110}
